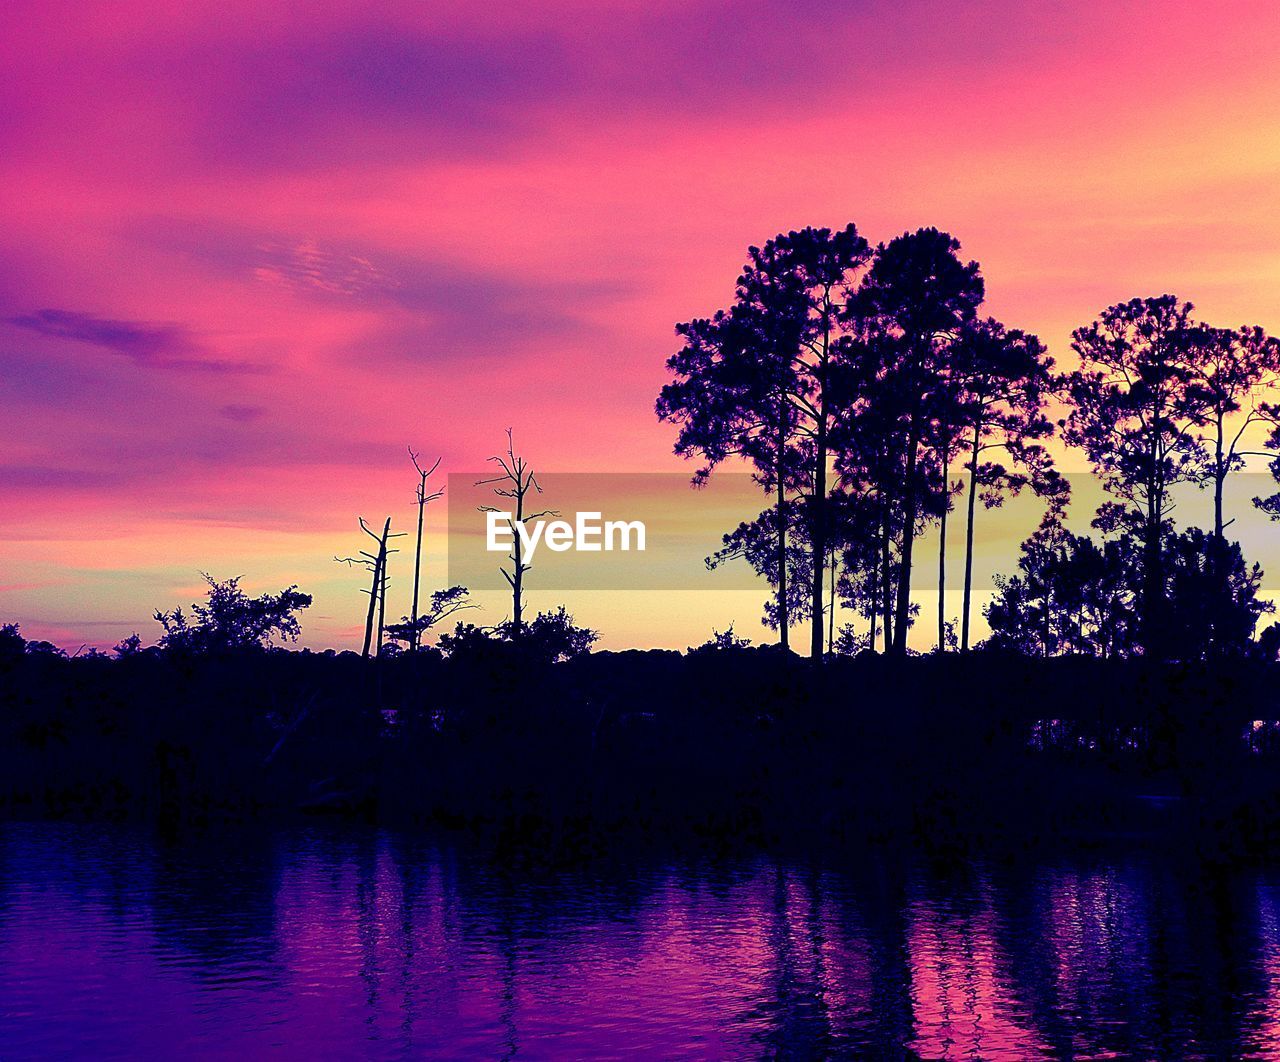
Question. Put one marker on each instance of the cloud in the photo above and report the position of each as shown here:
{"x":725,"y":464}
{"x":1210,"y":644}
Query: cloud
{"x":414,"y":83}
{"x":426,"y":303}
{"x":166,"y":346}
{"x":241,"y":414}
{"x":138,"y":340}
{"x":299,"y":100}
{"x":74,"y":476}
{"x":308,"y":268}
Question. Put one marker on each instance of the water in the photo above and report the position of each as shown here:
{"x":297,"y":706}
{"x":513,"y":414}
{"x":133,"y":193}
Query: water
{"x":349,"y":943}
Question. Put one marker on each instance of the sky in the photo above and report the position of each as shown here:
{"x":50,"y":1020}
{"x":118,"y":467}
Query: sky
{"x":251,"y":251}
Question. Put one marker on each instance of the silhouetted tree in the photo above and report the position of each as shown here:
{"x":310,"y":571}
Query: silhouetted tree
{"x":129,"y":647}
{"x":1231,"y":372}
{"x":1213,"y":604}
{"x":859,"y":586}
{"x":818,"y":269}
{"x":849,"y":642}
{"x":376,"y":564}
{"x":516,"y":482}
{"x":732,"y":396}
{"x":920,"y":295}
{"x":12,"y":644}
{"x":759,"y":381}
{"x":549,"y":636}
{"x":1070,"y":595}
{"x":423,"y":498}
{"x":1136,"y":410}
{"x":554,"y":636}
{"x":443,"y":604}
{"x":719,"y":641}
{"x":946,"y":442}
{"x":869,"y":466}
{"x":755,"y":541}
{"x":231,"y":620}
{"x":1003,"y":378}
{"x":1271,"y":504}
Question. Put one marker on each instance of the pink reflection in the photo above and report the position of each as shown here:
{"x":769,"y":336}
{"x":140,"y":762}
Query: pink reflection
{"x":963,"y":1002}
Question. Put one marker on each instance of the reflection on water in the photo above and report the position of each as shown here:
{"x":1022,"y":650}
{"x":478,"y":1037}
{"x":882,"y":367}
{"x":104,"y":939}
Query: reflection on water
{"x":340,"y":943}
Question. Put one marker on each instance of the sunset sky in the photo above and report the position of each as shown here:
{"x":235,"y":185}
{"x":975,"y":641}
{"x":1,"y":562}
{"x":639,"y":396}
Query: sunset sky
{"x":250,"y":251}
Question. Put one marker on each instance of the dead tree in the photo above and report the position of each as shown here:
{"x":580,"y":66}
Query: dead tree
{"x":424,"y":499}
{"x":376,"y":564}
{"x":515,"y":482}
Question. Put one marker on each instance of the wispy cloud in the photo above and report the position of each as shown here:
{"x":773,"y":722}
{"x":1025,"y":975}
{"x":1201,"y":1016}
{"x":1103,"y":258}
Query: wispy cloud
{"x":425,"y":301}
{"x":156,"y":345}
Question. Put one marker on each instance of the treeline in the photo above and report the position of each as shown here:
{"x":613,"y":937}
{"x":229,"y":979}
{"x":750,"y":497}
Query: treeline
{"x":724,"y":742}
{"x":229,"y":623}
{"x":872,"y":398}
{"x":551,"y":635}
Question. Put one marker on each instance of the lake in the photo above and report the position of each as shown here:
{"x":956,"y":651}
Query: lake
{"x":346,"y":942}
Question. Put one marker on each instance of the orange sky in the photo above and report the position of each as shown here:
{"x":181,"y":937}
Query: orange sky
{"x":249,"y":251}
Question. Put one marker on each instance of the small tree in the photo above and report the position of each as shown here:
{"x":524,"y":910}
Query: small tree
{"x":12,"y":644}
{"x":1214,"y":606}
{"x":756,"y":542}
{"x":127,"y":648}
{"x":1003,"y":379}
{"x":720,"y":641}
{"x":516,"y":482}
{"x":423,"y":498}
{"x":443,"y":604}
{"x":1070,"y":596}
{"x":554,"y":636}
{"x":551,"y":636}
{"x":376,"y":565}
{"x":232,"y":621}
{"x":1231,"y":370}
{"x":1137,"y":409}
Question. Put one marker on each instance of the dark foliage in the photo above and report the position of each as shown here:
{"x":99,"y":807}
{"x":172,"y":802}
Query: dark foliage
{"x":549,"y":637}
{"x":730,"y":741}
{"x":231,"y":621}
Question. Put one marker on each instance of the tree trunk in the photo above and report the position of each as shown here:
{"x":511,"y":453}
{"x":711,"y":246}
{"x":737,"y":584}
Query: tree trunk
{"x":517,"y":581}
{"x":417,"y":568}
{"x":373,"y":605}
{"x":831,"y":620}
{"x":968,"y":544}
{"x":818,"y":517}
{"x":942,"y":550}
{"x":902,"y":610}
{"x":382,"y":584}
{"x":1217,"y":548}
{"x":784,"y":616}
{"x":375,"y":592}
{"x":1219,"y":480}
{"x":1153,"y":580}
{"x":886,"y":584}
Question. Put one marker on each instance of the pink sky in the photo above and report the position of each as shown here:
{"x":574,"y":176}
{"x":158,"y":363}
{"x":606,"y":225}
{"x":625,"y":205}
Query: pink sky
{"x":252,"y":250}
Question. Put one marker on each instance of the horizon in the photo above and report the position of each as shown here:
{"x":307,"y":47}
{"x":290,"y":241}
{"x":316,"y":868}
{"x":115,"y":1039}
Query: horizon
{"x":250,"y":257}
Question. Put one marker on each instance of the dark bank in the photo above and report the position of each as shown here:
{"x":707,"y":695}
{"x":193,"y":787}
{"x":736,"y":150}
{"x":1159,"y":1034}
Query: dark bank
{"x":735,"y":745}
